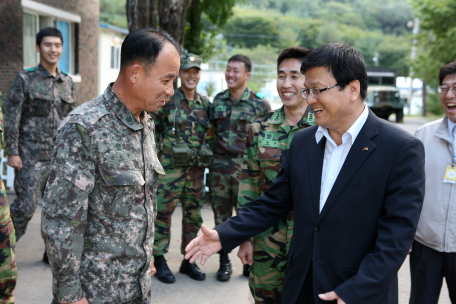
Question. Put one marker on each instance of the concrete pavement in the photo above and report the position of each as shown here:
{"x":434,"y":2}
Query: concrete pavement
{"x":35,"y":278}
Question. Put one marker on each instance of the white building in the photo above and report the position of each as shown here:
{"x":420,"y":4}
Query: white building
{"x":110,"y":40}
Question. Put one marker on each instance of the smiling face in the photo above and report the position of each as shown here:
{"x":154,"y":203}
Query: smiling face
{"x":235,"y":75}
{"x":289,"y":82}
{"x":50,"y":50}
{"x":152,"y":90}
{"x":448,"y":100}
{"x":335,"y":109}
{"x":190,"y":78}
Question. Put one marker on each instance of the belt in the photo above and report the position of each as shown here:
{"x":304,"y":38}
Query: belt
{"x":231,"y":155}
{"x":290,"y":215}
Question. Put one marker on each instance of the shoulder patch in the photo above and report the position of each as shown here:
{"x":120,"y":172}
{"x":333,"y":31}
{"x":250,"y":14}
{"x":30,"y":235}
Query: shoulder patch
{"x":30,"y":70}
{"x":259,"y":95}
{"x":64,"y":73}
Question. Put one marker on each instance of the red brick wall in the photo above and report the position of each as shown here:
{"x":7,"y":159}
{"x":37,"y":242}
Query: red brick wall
{"x":10,"y":42}
{"x":11,"y":61}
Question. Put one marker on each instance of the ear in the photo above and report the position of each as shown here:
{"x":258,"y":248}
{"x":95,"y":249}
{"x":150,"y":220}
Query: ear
{"x":37,"y":47}
{"x":354,"y":89}
{"x":135,"y":72}
{"x":247,"y":75}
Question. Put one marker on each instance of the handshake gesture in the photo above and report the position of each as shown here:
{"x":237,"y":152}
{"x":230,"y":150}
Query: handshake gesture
{"x":203,"y":246}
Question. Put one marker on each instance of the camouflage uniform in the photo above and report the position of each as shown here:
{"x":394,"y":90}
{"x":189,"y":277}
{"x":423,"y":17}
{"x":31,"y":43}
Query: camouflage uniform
{"x":231,"y":120}
{"x":100,"y":203}
{"x":184,"y":184}
{"x":8,"y":269}
{"x":36,"y":104}
{"x":267,"y":143}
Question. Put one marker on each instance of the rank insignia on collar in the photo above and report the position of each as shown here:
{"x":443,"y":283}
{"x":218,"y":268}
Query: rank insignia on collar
{"x":365,"y":149}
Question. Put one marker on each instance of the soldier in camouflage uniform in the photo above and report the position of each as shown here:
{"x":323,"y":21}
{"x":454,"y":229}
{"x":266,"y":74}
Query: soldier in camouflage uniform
{"x":231,"y":114}
{"x":38,"y":100}
{"x":100,"y":202}
{"x":184,"y":118}
{"x":268,"y":141}
{"x":8,"y":269}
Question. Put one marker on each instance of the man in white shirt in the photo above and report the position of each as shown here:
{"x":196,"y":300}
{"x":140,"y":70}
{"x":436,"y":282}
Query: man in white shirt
{"x":355,"y":183}
{"x":433,"y":255}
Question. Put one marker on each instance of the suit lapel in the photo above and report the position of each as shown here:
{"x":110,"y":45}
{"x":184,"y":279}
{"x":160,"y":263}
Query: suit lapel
{"x":316,"y":156}
{"x":355,"y":158}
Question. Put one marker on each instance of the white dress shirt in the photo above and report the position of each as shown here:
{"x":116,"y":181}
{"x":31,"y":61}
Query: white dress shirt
{"x":335,"y":155}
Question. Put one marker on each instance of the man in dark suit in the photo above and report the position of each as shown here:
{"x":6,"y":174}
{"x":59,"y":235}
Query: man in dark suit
{"x":355,"y":183}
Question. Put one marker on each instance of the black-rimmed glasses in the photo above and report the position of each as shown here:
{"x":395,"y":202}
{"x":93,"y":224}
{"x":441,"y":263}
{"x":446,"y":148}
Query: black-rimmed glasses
{"x":316,"y":92}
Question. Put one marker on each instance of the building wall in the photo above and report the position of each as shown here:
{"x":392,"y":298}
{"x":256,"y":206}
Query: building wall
{"x":10,"y":42}
{"x":106,"y":74}
{"x":11,"y":48}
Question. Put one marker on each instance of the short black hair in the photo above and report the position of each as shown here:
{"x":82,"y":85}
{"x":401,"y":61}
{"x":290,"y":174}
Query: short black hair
{"x":242,"y":58}
{"x":297,"y":52}
{"x":343,"y":61}
{"x":143,"y":46}
{"x":446,"y":70}
{"x":48,"y":31}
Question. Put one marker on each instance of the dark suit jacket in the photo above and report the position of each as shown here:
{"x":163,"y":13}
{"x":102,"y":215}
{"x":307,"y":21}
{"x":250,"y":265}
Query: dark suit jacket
{"x":361,"y":237}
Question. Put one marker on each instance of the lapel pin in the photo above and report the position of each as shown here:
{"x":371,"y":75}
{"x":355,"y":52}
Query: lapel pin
{"x":365,"y":149}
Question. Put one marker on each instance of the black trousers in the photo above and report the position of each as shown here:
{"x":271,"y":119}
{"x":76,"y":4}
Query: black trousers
{"x":307,"y":293}
{"x":428,"y":267}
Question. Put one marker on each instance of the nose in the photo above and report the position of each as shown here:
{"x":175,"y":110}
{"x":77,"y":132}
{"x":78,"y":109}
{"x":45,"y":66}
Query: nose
{"x":450,"y":94}
{"x":170,"y":89}
{"x":310,"y":99}
{"x":287,"y":83}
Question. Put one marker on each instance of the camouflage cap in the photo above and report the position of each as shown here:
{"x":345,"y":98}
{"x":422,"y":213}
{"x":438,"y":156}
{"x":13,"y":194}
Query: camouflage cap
{"x":190,"y":60}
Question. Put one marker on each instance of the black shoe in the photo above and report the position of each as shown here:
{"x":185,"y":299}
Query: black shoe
{"x":224,"y":272}
{"x":45,"y":258}
{"x":192,"y":270}
{"x":163,"y":273}
{"x":246,"y":270}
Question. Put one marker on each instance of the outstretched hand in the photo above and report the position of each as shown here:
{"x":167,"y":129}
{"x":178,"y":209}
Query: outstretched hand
{"x":203,"y":246}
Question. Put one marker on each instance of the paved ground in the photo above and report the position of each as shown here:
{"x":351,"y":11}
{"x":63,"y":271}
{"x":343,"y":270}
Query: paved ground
{"x":35,"y":278}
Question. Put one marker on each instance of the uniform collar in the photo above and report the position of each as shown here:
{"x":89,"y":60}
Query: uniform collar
{"x":196,"y":99}
{"x":121,"y":111}
{"x":279,"y":117}
{"x":245,"y":96}
{"x":46,"y":73}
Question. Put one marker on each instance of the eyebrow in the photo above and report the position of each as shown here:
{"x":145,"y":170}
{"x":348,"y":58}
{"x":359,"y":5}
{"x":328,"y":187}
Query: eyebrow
{"x":449,"y":83}
{"x":170,"y":75}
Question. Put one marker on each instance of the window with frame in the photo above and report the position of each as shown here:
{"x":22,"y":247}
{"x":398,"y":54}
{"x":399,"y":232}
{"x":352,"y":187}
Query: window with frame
{"x":37,"y":16}
{"x":115,"y":57}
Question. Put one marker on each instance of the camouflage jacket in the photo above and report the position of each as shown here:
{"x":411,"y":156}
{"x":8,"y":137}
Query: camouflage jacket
{"x":99,"y":206}
{"x":195,"y":121}
{"x":36,"y":104}
{"x":267,"y":144}
{"x":231,"y":120}
{"x":8,"y":269}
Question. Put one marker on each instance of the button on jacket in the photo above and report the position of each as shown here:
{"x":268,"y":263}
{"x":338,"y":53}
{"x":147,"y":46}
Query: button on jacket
{"x":100,"y":203}
{"x":437,"y":225}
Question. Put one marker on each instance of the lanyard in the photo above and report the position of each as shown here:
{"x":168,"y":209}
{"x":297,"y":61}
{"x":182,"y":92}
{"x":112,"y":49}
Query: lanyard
{"x":452,"y":155}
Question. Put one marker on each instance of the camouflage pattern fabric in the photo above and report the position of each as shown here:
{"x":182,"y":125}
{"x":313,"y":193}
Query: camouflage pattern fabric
{"x":29,"y":185}
{"x":190,"y":60}
{"x":8,"y":269}
{"x":181,"y":184}
{"x":36,"y":104}
{"x":231,"y":120}
{"x":267,"y":143}
{"x":100,"y":202}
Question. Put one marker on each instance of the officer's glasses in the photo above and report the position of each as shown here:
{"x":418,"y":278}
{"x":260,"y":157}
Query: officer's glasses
{"x":316,"y":92}
{"x":444,"y":89}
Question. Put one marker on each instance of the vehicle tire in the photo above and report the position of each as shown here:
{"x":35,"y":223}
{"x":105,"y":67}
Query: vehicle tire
{"x":400,"y":115}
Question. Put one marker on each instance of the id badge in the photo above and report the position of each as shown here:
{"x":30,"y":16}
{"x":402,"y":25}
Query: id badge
{"x":450,"y":175}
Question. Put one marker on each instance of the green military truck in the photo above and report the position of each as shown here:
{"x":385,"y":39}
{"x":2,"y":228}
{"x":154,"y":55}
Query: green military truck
{"x":383,"y":97}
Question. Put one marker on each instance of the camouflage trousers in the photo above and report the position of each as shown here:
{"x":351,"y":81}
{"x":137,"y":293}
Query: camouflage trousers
{"x":181,"y":184}
{"x":270,"y":259}
{"x":29,"y":185}
{"x":8,"y":269}
{"x":224,"y":178}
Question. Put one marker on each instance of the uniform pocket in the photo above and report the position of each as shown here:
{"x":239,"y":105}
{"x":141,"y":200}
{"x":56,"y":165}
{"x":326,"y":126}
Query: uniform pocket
{"x":39,"y":104}
{"x":269,"y":160}
{"x":65,"y":105}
